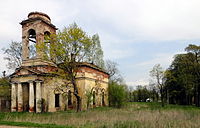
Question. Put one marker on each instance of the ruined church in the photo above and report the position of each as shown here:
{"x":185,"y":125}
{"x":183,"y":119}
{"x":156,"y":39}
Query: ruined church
{"x":34,"y":88}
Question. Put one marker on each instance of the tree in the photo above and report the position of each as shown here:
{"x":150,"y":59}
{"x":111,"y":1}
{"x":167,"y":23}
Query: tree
{"x":13,"y":55}
{"x":5,"y":87}
{"x":113,"y":71}
{"x":194,"y":52}
{"x":158,"y":74}
{"x":153,"y":91}
{"x":67,"y":50}
{"x":182,"y":77}
{"x":96,"y":53}
{"x":117,"y":89}
{"x":116,"y":94}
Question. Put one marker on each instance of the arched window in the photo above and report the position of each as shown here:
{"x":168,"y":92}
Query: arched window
{"x":46,"y":36}
{"x":57,"y":100}
{"x":69,"y":99}
{"x":47,"y":42}
{"x":94,"y":100}
{"x":32,"y":42}
{"x":103,"y":101}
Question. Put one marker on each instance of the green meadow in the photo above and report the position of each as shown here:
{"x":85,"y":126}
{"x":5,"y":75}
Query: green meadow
{"x":133,"y":115}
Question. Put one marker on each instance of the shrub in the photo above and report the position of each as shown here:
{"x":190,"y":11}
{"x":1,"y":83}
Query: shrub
{"x":116,"y":95}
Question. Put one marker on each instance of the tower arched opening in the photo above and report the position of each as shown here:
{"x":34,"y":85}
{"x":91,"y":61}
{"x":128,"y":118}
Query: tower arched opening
{"x":32,"y":43}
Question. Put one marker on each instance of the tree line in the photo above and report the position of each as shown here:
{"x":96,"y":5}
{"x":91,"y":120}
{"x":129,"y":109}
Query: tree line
{"x":182,"y":84}
{"x":178,"y":84}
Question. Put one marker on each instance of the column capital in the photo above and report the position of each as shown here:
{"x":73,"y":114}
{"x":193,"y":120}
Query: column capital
{"x":38,"y":81}
{"x":30,"y":81}
{"x":15,"y":82}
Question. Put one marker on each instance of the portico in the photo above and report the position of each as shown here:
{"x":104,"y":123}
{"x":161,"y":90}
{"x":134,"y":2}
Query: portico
{"x":23,"y":102}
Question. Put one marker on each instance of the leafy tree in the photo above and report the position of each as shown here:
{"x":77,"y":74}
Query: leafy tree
{"x":194,"y":56}
{"x":142,"y":93}
{"x":116,"y":94}
{"x":157,"y":73}
{"x":67,"y":50}
{"x":182,"y":77}
{"x":96,"y":53}
{"x":5,"y":87}
{"x":153,"y":92}
{"x":117,"y":89}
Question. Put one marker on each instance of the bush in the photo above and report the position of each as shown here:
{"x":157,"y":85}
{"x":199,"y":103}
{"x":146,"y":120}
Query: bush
{"x":5,"y":88}
{"x":116,"y":95}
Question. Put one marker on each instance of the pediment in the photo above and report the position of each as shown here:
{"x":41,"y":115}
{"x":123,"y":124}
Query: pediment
{"x":25,"y":71}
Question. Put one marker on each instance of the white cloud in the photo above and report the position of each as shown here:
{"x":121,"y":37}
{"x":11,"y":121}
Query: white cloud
{"x":138,"y":82}
{"x":163,"y":59}
{"x":145,"y":19}
{"x":118,"y":22}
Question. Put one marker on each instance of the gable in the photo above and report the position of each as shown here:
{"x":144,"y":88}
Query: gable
{"x":24,"y":71}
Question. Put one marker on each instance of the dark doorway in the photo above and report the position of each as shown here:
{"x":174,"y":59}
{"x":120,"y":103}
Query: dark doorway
{"x":34,"y":87}
{"x":103,"y":101}
{"x":94,"y":100}
{"x":57,"y":99}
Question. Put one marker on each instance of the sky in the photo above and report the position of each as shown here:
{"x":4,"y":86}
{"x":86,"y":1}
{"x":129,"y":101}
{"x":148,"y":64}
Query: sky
{"x":136,"y":34}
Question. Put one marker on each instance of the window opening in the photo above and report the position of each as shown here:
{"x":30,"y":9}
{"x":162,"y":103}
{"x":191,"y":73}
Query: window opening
{"x":32,"y":43}
{"x":47,"y":43}
{"x":69,"y":98}
{"x":57,"y":99}
{"x":94,"y":103}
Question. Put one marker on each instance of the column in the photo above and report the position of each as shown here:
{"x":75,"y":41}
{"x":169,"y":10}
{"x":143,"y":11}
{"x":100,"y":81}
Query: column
{"x":20,"y":97}
{"x":13,"y":98}
{"x":31,"y":96}
{"x":25,"y":42}
{"x":39,"y":39}
{"x":38,"y":97}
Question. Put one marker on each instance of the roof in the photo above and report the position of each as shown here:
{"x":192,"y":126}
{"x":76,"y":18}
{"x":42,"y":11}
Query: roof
{"x":36,"y":70}
{"x":35,"y":19}
{"x":31,"y":71}
{"x":90,"y":65}
{"x":40,"y":13}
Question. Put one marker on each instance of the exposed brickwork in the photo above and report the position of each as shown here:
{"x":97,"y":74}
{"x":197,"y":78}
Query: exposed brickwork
{"x":91,"y":70}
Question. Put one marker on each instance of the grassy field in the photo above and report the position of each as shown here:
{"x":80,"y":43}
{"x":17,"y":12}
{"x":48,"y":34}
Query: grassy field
{"x":134,"y":115}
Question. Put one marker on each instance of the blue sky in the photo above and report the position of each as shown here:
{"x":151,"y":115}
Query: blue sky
{"x":137,"y":34}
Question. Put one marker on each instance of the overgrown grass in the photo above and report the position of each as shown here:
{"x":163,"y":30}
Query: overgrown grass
{"x":134,"y":115}
{"x":29,"y":124}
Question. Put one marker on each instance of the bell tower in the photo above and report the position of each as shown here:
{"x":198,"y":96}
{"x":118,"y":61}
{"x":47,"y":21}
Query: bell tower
{"x":34,"y":30}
